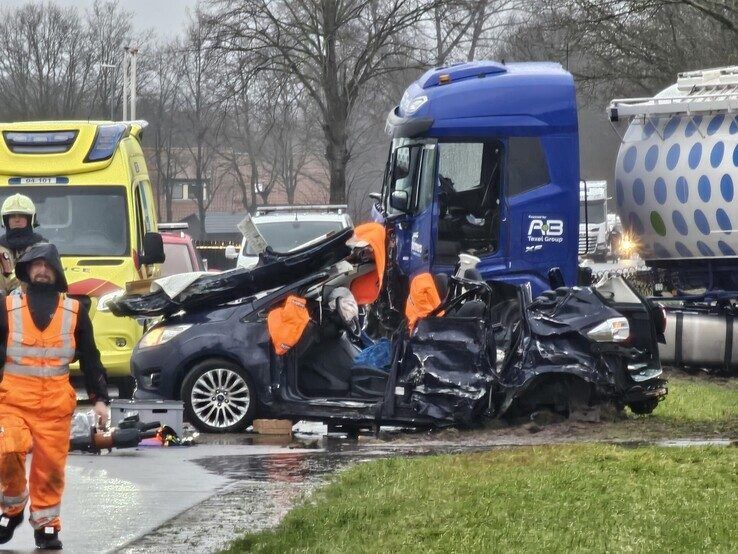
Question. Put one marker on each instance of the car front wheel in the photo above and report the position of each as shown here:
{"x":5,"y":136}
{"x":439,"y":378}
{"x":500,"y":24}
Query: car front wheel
{"x":219,"y":397}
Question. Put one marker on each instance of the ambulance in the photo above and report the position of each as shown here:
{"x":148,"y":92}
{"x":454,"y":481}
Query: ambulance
{"x":94,"y":201}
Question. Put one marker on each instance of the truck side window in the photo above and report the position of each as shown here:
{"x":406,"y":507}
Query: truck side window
{"x":468,"y":198}
{"x":526,"y":165}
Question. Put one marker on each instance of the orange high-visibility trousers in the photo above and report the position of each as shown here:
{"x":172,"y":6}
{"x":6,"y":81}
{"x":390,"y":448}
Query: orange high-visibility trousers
{"x":35,"y":411}
{"x":36,"y":406}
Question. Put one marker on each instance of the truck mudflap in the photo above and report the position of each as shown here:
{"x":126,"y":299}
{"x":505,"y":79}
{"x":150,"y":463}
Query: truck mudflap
{"x":555,"y":364}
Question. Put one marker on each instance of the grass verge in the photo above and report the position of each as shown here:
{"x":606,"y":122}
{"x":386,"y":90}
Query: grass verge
{"x":560,"y":498}
{"x":695,"y":406}
{"x":588,"y":497}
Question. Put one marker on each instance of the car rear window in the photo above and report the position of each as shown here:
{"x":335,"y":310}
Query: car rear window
{"x":177,"y":260}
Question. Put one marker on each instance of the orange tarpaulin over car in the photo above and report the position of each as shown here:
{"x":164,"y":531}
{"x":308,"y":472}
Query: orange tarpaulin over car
{"x":286,"y":324}
{"x":366,"y":288}
{"x":422,"y":299}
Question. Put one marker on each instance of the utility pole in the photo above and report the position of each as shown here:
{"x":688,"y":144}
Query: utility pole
{"x":134,"y":53}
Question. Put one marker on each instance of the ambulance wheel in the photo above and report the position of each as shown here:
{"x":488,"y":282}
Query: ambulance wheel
{"x":219,"y":397}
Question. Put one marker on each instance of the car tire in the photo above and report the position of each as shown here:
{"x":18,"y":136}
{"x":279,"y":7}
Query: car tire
{"x":644,"y":407}
{"x":219,"y":397}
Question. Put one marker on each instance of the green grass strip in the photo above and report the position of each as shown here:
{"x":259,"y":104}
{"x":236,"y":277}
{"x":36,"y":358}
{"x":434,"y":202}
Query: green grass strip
{"x":590,"y":497}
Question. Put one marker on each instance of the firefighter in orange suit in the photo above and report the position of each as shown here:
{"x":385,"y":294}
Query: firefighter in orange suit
{"x":43,"y":332}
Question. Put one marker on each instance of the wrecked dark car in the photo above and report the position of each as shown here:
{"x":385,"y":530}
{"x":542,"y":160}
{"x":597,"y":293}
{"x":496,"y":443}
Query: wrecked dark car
{"x":275,"y":343}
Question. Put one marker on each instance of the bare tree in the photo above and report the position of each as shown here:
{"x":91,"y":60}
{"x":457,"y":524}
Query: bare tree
{"x":203,"y":113}
{"x":335,"y":49}
{"x":163,"y":105}
{"x":248,"y":128}
{"x":624,"y":47}
{"x":52,"y":60}
{"x":460,"y":28}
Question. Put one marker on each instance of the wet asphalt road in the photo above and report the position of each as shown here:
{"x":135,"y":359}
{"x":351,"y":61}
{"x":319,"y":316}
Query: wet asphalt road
{"x":110,"y":500}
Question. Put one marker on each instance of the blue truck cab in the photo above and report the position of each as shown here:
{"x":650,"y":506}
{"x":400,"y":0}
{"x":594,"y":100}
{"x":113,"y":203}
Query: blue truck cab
{"x":485,"y":160}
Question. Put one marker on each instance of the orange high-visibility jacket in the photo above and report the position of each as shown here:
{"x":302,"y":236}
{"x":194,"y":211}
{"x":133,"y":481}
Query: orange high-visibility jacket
{"x":36,"y":353}
{"x":287,"y":323}
{"x":422,"y":299}
{"x":366,"y":288}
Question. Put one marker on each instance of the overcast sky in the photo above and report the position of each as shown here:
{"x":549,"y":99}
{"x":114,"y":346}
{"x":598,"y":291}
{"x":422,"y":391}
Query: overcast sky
{"x":165,"y":17}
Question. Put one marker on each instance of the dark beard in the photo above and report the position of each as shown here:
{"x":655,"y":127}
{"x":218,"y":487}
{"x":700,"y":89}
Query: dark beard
{"x":43,"y":299}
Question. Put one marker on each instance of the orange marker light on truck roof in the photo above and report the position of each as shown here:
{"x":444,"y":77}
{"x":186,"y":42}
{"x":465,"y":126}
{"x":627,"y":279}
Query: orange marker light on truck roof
{"x":444,"y":79}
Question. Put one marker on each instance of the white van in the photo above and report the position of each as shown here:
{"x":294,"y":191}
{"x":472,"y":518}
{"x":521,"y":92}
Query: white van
{"x":287,"y":228}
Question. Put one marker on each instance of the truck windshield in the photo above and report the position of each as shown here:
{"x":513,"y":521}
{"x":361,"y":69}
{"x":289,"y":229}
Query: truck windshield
{"x":284,"y":236}
{"x":596,"y":212}
{"x":80,"y":220}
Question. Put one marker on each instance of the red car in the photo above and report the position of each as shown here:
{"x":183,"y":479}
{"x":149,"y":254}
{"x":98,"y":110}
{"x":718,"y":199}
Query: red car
{"x":181,"y":256}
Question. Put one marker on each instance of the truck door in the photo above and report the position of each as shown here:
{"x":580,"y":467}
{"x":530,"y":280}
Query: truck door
{"x":409,"y":204}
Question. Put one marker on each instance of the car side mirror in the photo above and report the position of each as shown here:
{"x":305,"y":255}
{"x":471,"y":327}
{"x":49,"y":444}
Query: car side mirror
{"x":230,"y":252}
{"x":153,"y":249}
{"x":399,"y":200}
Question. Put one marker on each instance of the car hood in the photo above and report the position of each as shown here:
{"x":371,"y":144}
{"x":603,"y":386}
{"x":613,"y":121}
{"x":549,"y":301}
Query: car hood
{"x":210,"y":290}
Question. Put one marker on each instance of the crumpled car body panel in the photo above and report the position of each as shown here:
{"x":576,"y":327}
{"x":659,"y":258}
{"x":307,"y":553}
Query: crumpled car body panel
{"x":448,"y":366}
{"x":211,"y":290}
{"x":556,"y":357}
{"x":444,"y":372}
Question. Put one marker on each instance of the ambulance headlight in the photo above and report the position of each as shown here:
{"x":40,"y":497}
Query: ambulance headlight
{"x":160,"y":335}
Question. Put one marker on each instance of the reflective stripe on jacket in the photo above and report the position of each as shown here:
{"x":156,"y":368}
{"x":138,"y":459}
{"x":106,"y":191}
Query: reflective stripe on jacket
{"x":35,"y":353}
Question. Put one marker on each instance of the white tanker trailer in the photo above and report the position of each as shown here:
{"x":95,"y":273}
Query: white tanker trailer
{"x":676,"y":191}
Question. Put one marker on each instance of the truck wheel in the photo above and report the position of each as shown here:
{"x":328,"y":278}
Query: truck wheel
{"x":644,"y":407}
{"x":219,"y":397}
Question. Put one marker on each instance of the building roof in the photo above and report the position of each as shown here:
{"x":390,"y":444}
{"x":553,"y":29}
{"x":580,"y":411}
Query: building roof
{"x":223,"y":222}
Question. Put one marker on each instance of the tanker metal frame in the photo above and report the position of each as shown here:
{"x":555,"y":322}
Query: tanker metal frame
{"x":676,"y":174}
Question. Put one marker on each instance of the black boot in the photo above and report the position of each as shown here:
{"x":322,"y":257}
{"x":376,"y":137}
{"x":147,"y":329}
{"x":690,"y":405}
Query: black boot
{"x":47,"y":538}
{"x":8,"y":525}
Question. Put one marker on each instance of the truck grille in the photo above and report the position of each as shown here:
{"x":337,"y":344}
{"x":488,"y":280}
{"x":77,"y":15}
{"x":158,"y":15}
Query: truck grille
{"x":587,"y":246}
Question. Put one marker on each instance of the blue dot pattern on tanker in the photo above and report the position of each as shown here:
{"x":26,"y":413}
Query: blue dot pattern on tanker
{"x":675,"y":185}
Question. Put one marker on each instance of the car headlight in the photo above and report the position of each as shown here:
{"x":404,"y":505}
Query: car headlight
{"x":106,"y":299}
{"x":160,"y":335}
{"x":615,"y":329}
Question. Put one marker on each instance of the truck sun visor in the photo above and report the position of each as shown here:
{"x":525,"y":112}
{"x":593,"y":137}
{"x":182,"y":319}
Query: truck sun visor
{"x":287,"y":323}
